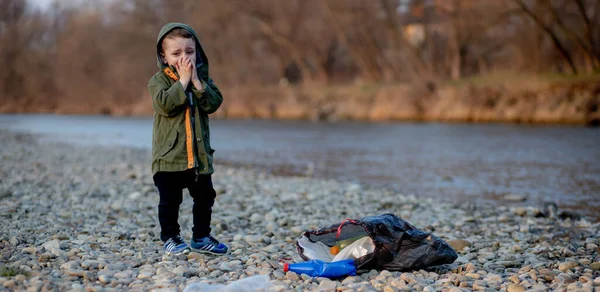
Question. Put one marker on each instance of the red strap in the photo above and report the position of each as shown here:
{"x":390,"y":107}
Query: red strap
{"x":339,"y":230}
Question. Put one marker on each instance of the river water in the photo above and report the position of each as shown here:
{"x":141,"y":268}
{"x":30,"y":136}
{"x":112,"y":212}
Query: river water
{"x":452,"y":162}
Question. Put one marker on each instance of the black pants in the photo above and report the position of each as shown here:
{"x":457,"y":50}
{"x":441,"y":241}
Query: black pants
{"x":170,"y":188}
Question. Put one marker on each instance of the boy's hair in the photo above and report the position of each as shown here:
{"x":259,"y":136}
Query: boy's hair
{"x":174,"y":33}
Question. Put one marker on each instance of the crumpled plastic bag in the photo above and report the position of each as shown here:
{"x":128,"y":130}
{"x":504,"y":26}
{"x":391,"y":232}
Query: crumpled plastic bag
{"x":250,"y":284}
{"x":357,"y":249}
{"x":398,"y":245}
{"x":315,"y":250}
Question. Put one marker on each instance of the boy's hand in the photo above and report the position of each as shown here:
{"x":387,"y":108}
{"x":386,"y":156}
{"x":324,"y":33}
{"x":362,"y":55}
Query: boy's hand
{"x":195,"y":80}
{"x":184,"y":68}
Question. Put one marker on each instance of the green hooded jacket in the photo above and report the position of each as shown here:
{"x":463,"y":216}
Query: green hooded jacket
{"x":181,"y":135}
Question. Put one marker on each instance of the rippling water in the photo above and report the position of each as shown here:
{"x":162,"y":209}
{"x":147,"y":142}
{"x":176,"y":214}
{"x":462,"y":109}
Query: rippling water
{"x":456,"y":162}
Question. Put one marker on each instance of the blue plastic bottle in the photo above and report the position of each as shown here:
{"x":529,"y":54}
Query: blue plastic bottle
{"x":317,"y":268}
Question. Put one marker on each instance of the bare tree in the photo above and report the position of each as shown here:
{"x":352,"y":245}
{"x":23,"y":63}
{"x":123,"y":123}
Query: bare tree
{"x":551,"y":33}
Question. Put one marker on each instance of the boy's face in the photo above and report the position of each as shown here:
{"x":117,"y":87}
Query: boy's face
{"x":177,"y":48}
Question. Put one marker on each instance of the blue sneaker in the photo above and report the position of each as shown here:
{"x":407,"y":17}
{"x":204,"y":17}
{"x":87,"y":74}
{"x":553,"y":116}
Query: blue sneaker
{"x":176,"y":245}
{"x":208,"y":244}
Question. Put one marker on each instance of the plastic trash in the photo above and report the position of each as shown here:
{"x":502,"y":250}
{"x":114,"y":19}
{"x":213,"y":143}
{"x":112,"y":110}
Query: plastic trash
{"x":317,"y":268}
{"x":398,"y":245}
{"x":357,"y":249}
{"x":315,"y":250}
{"x":250,"y":284}
{"x":341,"y":244}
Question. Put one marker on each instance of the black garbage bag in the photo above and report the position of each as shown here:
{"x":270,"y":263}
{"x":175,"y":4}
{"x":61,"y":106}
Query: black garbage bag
{"x":399,"y":246}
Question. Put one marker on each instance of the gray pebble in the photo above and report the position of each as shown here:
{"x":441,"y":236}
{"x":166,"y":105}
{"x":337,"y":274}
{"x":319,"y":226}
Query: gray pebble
{"x":104,"y":279}
{"x":328,"y":285}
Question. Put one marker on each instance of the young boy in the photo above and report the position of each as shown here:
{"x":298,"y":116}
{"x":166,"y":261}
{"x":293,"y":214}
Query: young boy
{"x":183,"y":95}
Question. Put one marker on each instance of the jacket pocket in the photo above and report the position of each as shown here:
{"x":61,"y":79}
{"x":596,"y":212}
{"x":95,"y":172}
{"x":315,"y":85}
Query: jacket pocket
{"x":170,"y":142}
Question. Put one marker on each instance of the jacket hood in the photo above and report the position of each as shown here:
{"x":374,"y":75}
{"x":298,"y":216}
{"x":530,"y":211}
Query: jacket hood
{"x":201,"y":60}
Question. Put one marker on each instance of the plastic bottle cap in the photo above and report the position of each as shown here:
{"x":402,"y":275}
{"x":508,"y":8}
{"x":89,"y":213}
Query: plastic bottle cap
{"x":286,"y":267}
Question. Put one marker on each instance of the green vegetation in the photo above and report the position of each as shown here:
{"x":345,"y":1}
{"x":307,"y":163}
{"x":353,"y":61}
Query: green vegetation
{"x":11,"y":271}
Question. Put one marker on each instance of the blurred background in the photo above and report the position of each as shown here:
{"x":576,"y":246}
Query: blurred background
{"x":394,"y":93}
{"x":528,"y":61}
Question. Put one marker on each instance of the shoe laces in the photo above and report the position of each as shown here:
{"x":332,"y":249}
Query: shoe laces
{"x":213,"y":240}
{"x":177,"y":240}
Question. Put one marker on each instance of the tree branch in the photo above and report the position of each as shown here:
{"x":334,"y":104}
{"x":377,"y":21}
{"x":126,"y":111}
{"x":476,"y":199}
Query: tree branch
{"x":568,"y":32}
{"x":555,"y":40}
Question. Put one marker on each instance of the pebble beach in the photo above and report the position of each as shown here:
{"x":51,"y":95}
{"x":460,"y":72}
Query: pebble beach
{"x":84,"y":218}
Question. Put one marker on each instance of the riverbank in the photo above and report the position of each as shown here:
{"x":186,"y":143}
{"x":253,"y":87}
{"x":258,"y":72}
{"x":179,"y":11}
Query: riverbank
{"x":500,"y":98}
{"x":497,"y":99}
{"x":85,"y":218}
